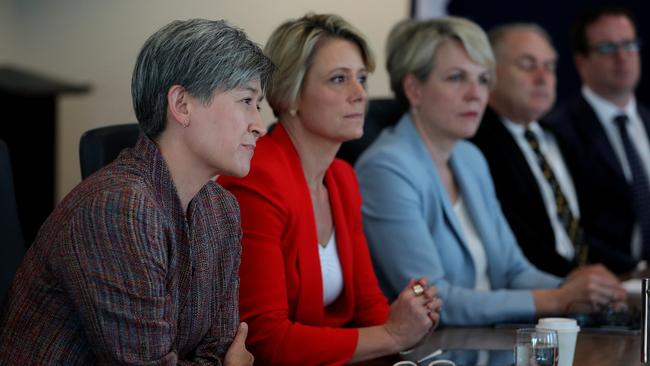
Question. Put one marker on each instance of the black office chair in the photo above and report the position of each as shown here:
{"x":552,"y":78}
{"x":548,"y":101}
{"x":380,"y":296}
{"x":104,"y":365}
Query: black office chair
{"x":100,"y":146}
{"x":381,"y":113}
{"x":12,"y":245}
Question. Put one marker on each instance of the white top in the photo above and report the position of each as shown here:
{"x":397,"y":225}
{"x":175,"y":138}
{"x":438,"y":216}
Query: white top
{"x":330,"y":267}
{"x":606,"y":111}
{"x":474,"y":245}
{"x":549,"y":148}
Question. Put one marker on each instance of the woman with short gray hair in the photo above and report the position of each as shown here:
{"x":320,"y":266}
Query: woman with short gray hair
{"x":308,"y":289}
{"x":139,"y":263}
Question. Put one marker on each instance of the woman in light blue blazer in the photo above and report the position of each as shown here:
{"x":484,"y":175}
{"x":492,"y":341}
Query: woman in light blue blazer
{"x":429,"y":205}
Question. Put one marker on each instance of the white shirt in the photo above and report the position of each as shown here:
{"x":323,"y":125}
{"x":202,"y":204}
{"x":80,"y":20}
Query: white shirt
{"x":474,"y":245}
{"x":330,"y":267}
{"x":606,"y":111}
{"x":549,"y":148}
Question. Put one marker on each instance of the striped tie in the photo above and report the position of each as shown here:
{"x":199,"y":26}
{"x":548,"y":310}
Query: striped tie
{"x":570,"y":223}
{"x":639,"y":188}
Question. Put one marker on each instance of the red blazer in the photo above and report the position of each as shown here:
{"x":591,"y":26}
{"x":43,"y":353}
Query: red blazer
{"x":281,"y":293}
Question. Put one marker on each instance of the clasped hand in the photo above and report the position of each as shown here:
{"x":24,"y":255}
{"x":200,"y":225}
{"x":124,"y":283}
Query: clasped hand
{"x":413,"y":314}
{"x":595,"y":287}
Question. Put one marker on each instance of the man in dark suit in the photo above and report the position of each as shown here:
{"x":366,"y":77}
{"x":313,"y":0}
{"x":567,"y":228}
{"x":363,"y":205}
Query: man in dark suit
{"x":603,"y":133}
{"x":531,"y":179}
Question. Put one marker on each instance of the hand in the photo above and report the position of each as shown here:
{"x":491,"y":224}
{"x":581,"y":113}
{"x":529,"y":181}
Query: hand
{"x":237,"y":354}
{"x":597,"y":270}
{"x":593,"y":285}
{"x":412,"y":316}
{"x":434,"y":305}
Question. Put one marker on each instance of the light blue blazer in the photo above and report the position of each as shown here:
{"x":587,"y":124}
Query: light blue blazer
{"x":413,"y":231}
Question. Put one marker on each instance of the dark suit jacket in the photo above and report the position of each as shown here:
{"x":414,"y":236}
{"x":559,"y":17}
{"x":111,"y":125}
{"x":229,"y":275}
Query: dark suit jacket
{"x":520,"y":196}
{"x":604,"y":194}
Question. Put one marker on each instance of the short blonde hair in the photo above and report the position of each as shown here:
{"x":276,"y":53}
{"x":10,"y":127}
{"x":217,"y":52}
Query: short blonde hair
{"x":412,"y":47}
{"x":292,"y":46}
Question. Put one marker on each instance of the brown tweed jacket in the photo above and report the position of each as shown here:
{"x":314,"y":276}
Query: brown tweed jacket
{"x":119,"y":274}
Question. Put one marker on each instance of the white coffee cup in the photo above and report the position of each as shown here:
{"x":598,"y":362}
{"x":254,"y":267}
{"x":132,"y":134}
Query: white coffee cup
{"x":567,"y":331}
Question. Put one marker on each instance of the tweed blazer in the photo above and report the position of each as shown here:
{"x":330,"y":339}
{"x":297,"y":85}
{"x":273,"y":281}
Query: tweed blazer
{"x":413,"y":231}
{"x":120,"y":274}
{"x":281,"y":282}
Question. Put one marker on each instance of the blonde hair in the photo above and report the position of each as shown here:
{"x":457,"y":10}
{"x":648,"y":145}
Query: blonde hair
{"x":412,"y":47}
{"x":292,"y":47}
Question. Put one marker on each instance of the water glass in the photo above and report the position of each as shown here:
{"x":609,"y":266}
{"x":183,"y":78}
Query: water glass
{"x":536,"y":347}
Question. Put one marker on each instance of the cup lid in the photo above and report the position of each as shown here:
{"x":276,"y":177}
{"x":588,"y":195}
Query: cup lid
{"x":558,"y":323}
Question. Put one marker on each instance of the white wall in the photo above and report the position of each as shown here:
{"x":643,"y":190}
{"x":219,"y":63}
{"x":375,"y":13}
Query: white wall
{"x":6,"y":32}
{"x":97,"y":41}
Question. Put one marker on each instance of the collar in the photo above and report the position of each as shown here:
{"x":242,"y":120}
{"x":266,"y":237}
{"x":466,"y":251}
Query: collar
{"x":605,"y":110}
{"x":155,"y":169}
{"x":517,"y":129}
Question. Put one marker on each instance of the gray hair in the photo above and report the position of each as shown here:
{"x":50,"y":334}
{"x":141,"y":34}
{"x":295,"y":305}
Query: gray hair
{"x":202,"y":56}
{"x":412,"y":46}
{"x":497,"y":34}
{"x":292,"y":47}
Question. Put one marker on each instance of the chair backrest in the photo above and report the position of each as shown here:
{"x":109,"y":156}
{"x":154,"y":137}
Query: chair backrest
{"x":100,"y":146}
{"x":12,"y":245}
{"x":381,"y":113}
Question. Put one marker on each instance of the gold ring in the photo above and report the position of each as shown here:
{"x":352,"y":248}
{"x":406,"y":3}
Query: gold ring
{"x":417,"y":289}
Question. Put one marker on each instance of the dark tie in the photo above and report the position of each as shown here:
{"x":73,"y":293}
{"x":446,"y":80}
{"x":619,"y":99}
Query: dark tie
{"x":639,"y":188}
{"x":570,"y":223}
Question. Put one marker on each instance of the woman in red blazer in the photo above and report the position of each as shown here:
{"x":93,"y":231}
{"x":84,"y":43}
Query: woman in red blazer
{"x":308,"y":289}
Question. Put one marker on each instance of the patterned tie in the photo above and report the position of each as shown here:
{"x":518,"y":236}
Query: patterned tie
{"x":639,"y":187}
{"x":570,"y":223}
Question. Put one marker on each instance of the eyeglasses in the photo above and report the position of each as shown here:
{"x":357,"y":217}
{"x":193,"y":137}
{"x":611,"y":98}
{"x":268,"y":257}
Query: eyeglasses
{"x":608,"y":48}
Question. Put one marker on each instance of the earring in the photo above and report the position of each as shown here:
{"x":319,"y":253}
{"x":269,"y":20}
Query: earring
{"x":186,"y":123}
{"x":292,"y":112}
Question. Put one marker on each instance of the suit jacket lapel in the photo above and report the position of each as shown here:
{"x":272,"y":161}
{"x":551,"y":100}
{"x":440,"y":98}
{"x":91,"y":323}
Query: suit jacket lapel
{"x":475,"y":204}
{"x":645,"y":118}
{"x":499,"y":132}
{"x":520,"y":177}
{"x":423,"y":157}
{"x":343,"y":246}
{"x":587,"y":121}
{"x":309,"y":308}
{"x":470,"y":185}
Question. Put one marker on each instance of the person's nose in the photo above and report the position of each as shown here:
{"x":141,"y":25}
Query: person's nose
{"x":542,"y":75}
{"x":358,"y":92}
{"x":257,"y":126}
{"x":476,"y":91}
{"x":621,"y":54}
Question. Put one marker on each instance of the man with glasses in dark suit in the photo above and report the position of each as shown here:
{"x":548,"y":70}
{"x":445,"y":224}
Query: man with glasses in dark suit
{"x":603,"y":133}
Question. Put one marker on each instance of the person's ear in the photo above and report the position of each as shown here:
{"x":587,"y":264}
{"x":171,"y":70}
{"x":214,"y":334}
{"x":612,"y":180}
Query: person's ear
{"x":412,"y":89}
{"x":295,"y":104}
{"x":177,"y":105}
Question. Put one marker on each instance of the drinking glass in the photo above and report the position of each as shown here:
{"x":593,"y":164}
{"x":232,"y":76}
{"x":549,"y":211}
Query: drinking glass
{"x":536,"y":347}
